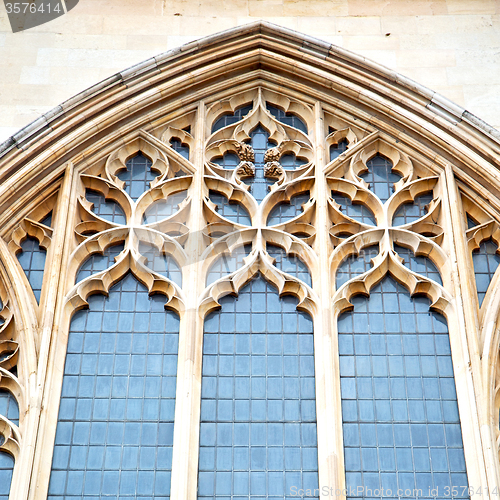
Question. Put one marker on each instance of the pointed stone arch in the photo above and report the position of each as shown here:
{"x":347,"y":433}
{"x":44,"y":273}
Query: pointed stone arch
{"x":434,"y":144}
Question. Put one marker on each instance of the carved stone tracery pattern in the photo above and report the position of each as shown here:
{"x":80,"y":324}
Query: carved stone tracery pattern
{"x":319,"y":157}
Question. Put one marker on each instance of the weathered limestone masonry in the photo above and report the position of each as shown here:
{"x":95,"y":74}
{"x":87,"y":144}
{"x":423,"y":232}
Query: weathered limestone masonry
{"x":450,"y":46}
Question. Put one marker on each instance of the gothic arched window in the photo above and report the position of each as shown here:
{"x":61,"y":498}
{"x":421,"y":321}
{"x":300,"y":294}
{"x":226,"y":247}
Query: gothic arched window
{"x":258,"y":267}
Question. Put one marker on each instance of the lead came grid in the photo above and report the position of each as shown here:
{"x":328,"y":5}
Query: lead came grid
{"x":421,"y":265}
{"x":6,"y":468}
{"x":115,"y":427}
{"x":10,"y":410}
{"x":234,"y":212}
{"x":485,"y":261}
{"x":97,"y":262}
{"x":380,"y":177}
{"x":227,"y":264}
{"x":290,"y":264}
{"x":289,"y":119}
{"x":162,"y":209}
{"x":284,"y":212}
{"x":106,"y":209}
{"x":258,"y":419}
{"x":410,"y":212}
{"x":231,"y":118}
{"x":32,"y":260}
{"x":355,"y":211}
{"x":399,"y":407}
{"x":355,"y":265}
{"x":138,"y":176}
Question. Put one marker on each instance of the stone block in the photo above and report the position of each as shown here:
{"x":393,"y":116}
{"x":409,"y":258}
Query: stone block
{"x":373,"y":42}
{"x":426,"y":58}
{"x":471,"y":7}
{"x":35,"y":75}
{"x":358,"y":25}
{"x":397,"y":7}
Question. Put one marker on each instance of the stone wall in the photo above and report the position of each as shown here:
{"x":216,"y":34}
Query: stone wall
{"x":451,"y":46}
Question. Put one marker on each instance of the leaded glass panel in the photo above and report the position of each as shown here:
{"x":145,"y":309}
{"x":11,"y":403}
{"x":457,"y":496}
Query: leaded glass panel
{"x":410,"y":212}
{"x":399,"y":405}
{"x":161,"y":209}
{"x":138,"y":175}
{"x":161,"y":263}
{"x":486,"y":261}
{"x":284,"y":212}
{"x":115,"y":428}
{"x":421,"y":265}
{"x":6,"y":469}
{"x":258,"y":415}
{"x":227,"y":264}
{"x":290,"y":119}
{"x":290,"y":264}
{"x":182,"y":149}
{"x":380,"y":176}
{"x":97,"y":262}
{"x":355,"y":264}
{"x":356,"y":211}
{"x":107,"y":209}
{"x":32,"y":260}
{"x":234,"y":212}
{"x":337,"y":149}
{"x":229,"y":119}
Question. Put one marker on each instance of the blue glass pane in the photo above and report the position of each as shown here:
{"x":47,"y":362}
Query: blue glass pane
{"x":410,"y":212}
{"x":234,"y":212}
{"x":355,"y":265}
{"x":258,"y":423}
{"x":8,"y":406}
{"x":337,"y":149}
{"x":471,"y":222}
{"x":289,"y":264}
{"x":229,"y":119}
{"x":97,"y":262}
{"x":182,"y":149}
{"x":380,"y":177}
{"x":115,"y":427}
{"x":138,"y":175}
{"x":161,"y":263}
{"x":485,"y":261}
{"x":6,"y":469}
{"x":229,"y":161}
{"x":162,"y":209}
{"x":399,"y":406}
{"x":289,"y":161}
{"x":227,"y":264}
{"x":286,"y":211}
{"x":289,"y":119}
{"x":32,"y":260}
{"x":47,"y":220}
{"x":420,"y":264}
{"x":355,"y":211}
{"x":106,"y":209}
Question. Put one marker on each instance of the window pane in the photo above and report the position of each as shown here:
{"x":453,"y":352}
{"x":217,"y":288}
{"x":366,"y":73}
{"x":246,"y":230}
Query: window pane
{"x":115,"y":428}
{"x":258,"y":413}
{"x":399,"y":406}
{"x":486,"y":261}
{"x":32,"y":260}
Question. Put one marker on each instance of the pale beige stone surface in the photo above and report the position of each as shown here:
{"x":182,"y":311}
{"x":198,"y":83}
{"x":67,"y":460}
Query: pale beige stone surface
{"x":453,"y":46}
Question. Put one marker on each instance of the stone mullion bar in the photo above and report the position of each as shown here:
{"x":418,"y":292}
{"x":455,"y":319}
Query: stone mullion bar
{"x":327,"y":372}
{"x":464,"y":340}
{"x":188,"y":394}
{"x":54,"y":338}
